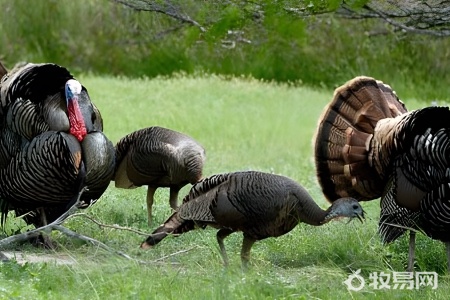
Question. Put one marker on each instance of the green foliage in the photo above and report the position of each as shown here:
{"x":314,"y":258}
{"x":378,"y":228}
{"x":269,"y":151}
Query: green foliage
{"x":231,"y":17}
{"x":244,"y":124}
{"x":357,"y":4}
{"x":264,"y":39}
{"x":333,"y":4}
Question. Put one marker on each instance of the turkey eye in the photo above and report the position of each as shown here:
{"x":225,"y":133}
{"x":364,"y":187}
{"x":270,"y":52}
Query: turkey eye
{"x":355,"y":206}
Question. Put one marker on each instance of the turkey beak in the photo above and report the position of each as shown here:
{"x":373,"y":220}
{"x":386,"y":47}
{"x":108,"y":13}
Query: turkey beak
{"x":361,"y":216}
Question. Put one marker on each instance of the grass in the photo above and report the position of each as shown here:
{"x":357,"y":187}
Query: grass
{"x":243,"y":124}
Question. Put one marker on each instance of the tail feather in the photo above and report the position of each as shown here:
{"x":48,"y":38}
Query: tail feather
{"x":342,"y":141}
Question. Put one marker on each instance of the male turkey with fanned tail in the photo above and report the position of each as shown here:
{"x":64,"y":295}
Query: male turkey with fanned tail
{"x":261,"y":205}
{"x":368,"y":146}
{"x":51,"y":143}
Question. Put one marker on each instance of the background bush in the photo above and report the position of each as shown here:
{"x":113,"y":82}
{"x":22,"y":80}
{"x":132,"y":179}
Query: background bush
{"x":107,"y":38}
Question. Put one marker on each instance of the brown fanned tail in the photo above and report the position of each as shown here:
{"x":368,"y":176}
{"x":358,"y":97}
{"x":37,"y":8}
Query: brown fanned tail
{"x":344,"y":133}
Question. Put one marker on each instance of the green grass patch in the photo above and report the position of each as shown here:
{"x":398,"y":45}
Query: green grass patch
{"x":244,"y":124}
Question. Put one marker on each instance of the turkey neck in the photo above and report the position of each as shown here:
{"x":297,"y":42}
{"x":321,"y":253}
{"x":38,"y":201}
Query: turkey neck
{"x":309,"y":212}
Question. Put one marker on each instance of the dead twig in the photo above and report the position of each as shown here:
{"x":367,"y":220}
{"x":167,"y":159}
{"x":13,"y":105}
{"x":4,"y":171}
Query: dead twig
{"x":404,"y":227}
{"x":173,"y":254}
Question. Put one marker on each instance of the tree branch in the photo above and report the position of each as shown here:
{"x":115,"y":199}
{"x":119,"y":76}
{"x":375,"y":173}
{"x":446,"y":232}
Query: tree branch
{"x":440,"y":33}
{"x":165,"y":8}
{"x":414,"y":16}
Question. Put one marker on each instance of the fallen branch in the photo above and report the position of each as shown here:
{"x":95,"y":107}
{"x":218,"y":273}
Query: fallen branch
{"x":73,"y":234}
{"x":100,"y":244}
{"x":109,"y":226}
{"x":3,"y":257}
{"x":56,"y":225}
{"x":21,"y":237}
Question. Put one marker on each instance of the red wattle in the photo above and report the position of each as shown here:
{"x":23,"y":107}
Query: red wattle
{"x":76,"y":120}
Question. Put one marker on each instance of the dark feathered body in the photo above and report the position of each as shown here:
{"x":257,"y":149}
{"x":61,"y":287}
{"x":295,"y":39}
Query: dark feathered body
{"x":260,"y":205}
{"x":158,"y":157}
{"x":417,"y":170}
{"x":369,"y":146}
{"x":42,"y":165}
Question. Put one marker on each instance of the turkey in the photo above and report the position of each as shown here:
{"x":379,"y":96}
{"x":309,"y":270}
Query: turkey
{"x":51,"y":143}
{"x":261,"y":205}
{"x":368,"y":146}
{"x":158,"y":157}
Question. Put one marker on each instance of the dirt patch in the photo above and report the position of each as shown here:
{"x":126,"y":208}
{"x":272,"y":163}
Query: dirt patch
{"x":21,"y":258}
